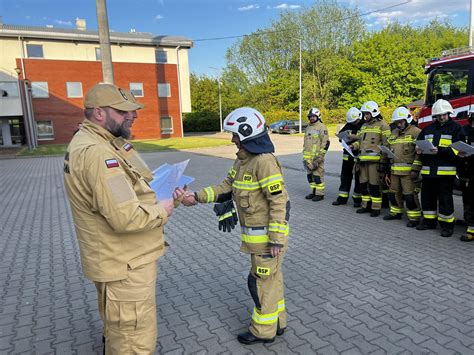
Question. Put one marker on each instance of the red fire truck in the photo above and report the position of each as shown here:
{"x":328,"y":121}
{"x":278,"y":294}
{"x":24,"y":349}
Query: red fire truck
{"x":450,"y":77}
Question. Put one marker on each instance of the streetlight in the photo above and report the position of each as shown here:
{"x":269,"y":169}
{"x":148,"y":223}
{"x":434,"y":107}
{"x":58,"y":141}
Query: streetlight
{"x":219,"y":83}
{"x":299,"y":39}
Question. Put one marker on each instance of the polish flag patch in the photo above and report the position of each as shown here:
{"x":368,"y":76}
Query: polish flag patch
{"x":127,"y":147}
{"x":112,"y":163}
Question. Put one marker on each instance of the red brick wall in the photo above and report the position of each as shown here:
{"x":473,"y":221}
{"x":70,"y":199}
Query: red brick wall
{"x":66,"y":112}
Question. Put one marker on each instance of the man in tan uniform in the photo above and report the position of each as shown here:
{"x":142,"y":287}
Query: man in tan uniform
{"x":255,"y":182}
{"x":315,"y":146}
{"x":119,"y":223}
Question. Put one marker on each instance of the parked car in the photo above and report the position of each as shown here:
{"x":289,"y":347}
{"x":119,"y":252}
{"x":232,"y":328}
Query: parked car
{"x":275,"y":127}
{"x":292,"y":127}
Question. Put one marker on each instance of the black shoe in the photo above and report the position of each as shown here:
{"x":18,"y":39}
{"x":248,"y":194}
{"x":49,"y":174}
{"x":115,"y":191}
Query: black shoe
{"x":423,"y":227}
{"x":412,"y":224}
{"x":248,"y":338}
{"x":357,"y":204}
{"x":375,"y":213}
{"x":339,"y":202}
{"x":280,"y":331}
{"x":391,"y":217}
{"x":363,"y":210}
{"x":318,"y":198}
{"x":465,"y":238}
{"x":446,"y":233}
{"x":309,"y":197}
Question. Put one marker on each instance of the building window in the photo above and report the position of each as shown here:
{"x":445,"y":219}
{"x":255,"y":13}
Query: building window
{"x":161,"y":56}
{"x":74,"y":89}
{"x":166,"y":124}
{"x":137,"y":89}
{"x":164,"y":90}
{"x":8,"y":89}
{"x":45,"y":130}
{"x":98,"y":56}
{"x":34,"y":50}
{"x":39,"y":89}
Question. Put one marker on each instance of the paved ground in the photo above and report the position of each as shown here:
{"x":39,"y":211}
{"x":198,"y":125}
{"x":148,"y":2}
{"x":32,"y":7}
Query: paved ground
{"x":354,"y":284}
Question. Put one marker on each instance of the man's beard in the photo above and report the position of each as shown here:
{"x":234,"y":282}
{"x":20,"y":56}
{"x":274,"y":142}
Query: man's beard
{"x":118,"y":130}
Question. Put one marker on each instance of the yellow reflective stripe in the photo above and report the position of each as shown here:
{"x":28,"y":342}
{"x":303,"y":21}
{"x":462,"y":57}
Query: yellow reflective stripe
{"x":445,"y":142}
{"x":273,"y":178}
{"x":345,"y":157}
{"x":413,"y":213}
{"x":241,"y":185}
{"x":343,"y":194}
{"x":401,"y":168}
{"x":268,"y":318}
{"x":430,"y":214}
{"x":446,"y":173}
{"x":396,"y":209}
{"x":254,"y":239}
{"x":278,"y":228}
{"x":281,"y":305}
{"x":365,"y":198}
{"x":369,"y":157}
{"x":417,"y":162}
{"x":408,"y":139}
{"x":371,"y":130}
{"x":470,"y":230}
{"x":224,"y":216}
{"x":210,"y":194}
{"x":386,"y":133}
{"x":445,"y":218}
{"x":376,"y":199}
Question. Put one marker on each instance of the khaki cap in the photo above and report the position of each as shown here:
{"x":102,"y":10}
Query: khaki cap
{"x":108,"y":95}
{"x":132,"y":98}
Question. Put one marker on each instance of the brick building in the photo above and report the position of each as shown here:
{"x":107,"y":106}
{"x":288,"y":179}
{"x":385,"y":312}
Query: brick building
{"x":45,"y":73}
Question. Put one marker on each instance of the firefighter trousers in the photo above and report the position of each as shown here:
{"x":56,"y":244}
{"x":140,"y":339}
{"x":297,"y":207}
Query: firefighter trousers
{"x":265,"y":282}
{"x":369,"y":178}
{"x":347,"y":175}
{"x":316,"y":179}
{"x":437,"y":201}
{"x":402,"y":191}
{"x":467,"y":188}
{"x":128,"y":311}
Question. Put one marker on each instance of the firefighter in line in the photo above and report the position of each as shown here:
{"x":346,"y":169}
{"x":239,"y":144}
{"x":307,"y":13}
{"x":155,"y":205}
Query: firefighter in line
{"x":353,"y":124}
{"x":438,"y":169}
{"x":255,"y":182}
{"x":402,"y":187}
{"x":315,"y":146}
{"x":373,"y":133}
{"x":118,"y":220}
{"x":465,"y":172}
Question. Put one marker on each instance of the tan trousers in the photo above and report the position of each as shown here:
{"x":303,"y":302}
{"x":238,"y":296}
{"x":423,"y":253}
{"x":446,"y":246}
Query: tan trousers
{"x":370,"y":185}
{"x":128,"y":311}
{"x":316,"y":179}
{"x":266,"y":287}
{"x":402,"y":189}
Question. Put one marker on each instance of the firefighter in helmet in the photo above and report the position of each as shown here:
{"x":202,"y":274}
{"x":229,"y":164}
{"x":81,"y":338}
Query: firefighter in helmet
{"x":353,"y":124}
{"x":402,"y":187}
{"x":255,"y":182}
{"x":315,"y":146}
{"x":438,"y":169}
{"x":373,"y":133}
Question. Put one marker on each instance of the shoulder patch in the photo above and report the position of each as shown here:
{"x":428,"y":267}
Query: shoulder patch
{"x":127,"y":146}
{"x":112,"y":163}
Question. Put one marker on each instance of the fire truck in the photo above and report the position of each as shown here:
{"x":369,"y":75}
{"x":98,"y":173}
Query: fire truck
{"x":450,"y":77}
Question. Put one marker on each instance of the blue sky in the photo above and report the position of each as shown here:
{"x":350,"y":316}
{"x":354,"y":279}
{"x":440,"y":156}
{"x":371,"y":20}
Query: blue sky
{"x":196,"y":19}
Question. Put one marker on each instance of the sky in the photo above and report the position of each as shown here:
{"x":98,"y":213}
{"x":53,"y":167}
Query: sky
{"x":204,"y":19}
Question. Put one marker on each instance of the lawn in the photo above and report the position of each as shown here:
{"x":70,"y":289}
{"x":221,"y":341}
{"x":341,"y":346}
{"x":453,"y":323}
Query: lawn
{"x":141,"y":145}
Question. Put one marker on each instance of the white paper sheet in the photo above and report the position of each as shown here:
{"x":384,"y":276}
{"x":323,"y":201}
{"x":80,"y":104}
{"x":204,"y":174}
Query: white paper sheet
{"x":463,"y":147}
{"x":346,"y":147}
{"x":387,"y":152}
{"x":425,"y":146}
{"x":168,"y":177}
{"x":344,"y":135}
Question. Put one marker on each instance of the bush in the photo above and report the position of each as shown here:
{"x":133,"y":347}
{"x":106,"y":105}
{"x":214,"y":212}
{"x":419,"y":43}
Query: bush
{"x":201,"y":122}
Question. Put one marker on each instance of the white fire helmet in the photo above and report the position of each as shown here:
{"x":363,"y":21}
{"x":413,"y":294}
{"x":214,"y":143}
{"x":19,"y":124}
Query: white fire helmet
{"x":314,"y":112}
{"x":246,"y":122}
{"x":353,"y":115}
{"x":372,"y":107}
{"x":441,"y":107}
{"x":402,"y":113}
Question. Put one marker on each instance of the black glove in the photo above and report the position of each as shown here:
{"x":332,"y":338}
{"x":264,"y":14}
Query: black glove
{"x":227,"y":215}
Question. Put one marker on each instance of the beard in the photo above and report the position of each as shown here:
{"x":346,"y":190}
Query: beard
{"x":118,"y":130}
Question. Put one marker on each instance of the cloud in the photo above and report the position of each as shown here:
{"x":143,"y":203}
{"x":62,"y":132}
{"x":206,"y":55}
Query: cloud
{"x":63,"y":22}
{"x":159,"y":17}
{"x":250,"y":7}
{"x":285,"y":6}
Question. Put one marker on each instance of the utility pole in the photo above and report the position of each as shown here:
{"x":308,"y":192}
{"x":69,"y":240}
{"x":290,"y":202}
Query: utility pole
{"x":104,"y":39}
{"x":471,"y":23}
{"x":301,"y":85}
{"x":220,"y":102}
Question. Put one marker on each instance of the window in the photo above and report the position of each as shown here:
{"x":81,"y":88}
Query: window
{"x":45,"y":130}
{"x":34,"y":50}
{"x":164,"y":90}
{"x":161,"y":56}
{"x":39,"y":89}
{"x":448,"y":83}
{"x":136,"y":89}
{"x":98,"y":56}
{"x":166,"y":124}
{"x":74,"y":89}
{"x":8,"y":89}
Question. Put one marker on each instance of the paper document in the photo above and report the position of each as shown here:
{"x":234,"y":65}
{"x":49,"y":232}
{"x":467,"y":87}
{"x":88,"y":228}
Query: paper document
{"x":425,"y":146}
{"x":168,"y":177}
{"x":463,"y":147}
{"x":344,"y":136}
{"x":387,"y":152}
{"x":346,"y":147}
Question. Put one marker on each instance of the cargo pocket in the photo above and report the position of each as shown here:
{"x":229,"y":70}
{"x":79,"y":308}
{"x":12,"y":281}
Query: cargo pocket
{"x":245,"y":202}
{"x":264,"y":266}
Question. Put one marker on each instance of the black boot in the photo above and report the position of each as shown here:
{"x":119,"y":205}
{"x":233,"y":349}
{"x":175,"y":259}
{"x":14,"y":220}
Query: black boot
{"x":469,"y":237}
{"x":423,"y":226}
{"x":412,"y":224}
{"x":446,"y":233}
{"x":375,"y":213}
{"x":248,"y":338}
{"x":318,"y":198}
{"x":357,"y":204}
{"x":364,"y":210}
{"x":311,"y":195}
{"x":280,"y":331}
{"x":391,"y":217}
{"x":340,"y":201}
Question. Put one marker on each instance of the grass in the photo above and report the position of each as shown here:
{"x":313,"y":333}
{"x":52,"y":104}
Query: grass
{"x":141,"y":145}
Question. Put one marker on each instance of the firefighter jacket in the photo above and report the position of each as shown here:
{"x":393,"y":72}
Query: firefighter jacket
{"x":256,"y":184}
{"x":119,"y":224}
{"x":316,"y":142}
{"x":444,"y":162}
{"x":371,"y":135}
{"x":402,"y":144}
{"x":465,"y":168}
{"x":353,"y":130}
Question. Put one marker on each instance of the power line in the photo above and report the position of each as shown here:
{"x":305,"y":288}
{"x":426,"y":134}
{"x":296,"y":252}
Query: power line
{"x":266,"y":32}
